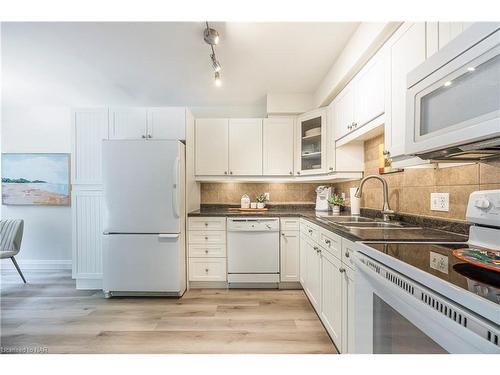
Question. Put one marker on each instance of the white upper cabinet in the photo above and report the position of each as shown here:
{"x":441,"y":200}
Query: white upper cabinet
{"x":369,"y":92}
{"x":89,"y":128}
{"x":278,"y":147}
{"x":245,"y":147}
{"x":362,"y":100}
{"x":311,"y":142}
{"x":440,"y":34}
{"x":344,"y":112}
{"x":211,"y":147}
{"x":166,"y":123}
{"x":405,"y":50}
{"x":148,"y":123}
{"x":128,"y":123}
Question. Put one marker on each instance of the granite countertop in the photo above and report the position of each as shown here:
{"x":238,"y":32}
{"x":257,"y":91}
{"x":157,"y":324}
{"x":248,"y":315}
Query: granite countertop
{"x":424,"y":233}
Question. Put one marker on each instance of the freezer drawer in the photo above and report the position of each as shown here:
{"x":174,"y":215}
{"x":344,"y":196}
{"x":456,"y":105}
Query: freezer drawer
{"x":144,"y":263}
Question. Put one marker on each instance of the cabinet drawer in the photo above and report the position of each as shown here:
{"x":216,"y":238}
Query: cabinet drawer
{"x":348,"y":253}
{"x":310,"y":230}
{"x":207,"y":269}
{"x":206,"y":237}
{"x":207,"y":251}
{"x":290,"y":224}
{"x":207,"y":223}
{"x":331,"y":242}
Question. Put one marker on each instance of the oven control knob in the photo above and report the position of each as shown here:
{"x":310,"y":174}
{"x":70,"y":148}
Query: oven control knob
{"x":482,"y":203}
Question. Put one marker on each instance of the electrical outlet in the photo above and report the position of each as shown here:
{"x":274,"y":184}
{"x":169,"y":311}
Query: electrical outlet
{"x":439,"y":262}
{"x":268,"y":197}
{"x":440,"y":202}
{"x":342,"y":195}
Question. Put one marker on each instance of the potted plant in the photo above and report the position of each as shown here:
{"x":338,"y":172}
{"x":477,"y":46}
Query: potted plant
{"x":335,"y":202}
{"x":261,"y":200}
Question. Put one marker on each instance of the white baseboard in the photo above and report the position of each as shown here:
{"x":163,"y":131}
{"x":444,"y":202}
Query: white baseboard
{"x":89,"y":284}
{"x":37,"y":264}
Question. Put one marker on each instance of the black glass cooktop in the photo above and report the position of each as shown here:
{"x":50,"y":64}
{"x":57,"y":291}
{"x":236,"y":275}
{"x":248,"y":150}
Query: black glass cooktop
{"x":438,"y":260}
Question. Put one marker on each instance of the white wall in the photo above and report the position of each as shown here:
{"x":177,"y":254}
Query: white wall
{"x":47,"y":230}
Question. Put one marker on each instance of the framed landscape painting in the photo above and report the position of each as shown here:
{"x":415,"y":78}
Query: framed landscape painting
{"x":36,"y":179}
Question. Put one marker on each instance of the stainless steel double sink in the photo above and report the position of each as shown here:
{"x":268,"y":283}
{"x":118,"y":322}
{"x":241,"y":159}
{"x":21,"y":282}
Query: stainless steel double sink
{"x":351,"y":222}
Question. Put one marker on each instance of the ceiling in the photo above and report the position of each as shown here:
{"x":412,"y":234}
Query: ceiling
{"x":164,"y":63}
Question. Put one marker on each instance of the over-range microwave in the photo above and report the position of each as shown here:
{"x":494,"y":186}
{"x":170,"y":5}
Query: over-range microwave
{"x":453,"y":99}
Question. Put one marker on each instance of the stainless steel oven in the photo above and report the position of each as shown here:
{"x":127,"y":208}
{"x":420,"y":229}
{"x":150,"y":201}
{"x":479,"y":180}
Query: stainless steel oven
{"x":454,"y":97}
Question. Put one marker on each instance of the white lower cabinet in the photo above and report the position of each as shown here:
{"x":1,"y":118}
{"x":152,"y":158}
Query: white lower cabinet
{"x":207,"y":258}
{"x":348,"y":327}
{"x":289,"y":250}
{"x":313,"y":274}
{"x":327,"y":275}
{"x":302,"y":261}
{"x":207,"y":269}
{"x":331,"y":296}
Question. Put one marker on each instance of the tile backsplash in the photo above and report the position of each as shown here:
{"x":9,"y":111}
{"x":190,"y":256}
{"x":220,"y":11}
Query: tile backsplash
{"x":230,"y":193}
{"x":409,"y":191}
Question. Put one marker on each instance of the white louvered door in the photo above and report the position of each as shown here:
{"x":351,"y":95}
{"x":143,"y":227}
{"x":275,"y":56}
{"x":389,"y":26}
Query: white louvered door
{"x":89,"y":128}
{"x":87,"y":237}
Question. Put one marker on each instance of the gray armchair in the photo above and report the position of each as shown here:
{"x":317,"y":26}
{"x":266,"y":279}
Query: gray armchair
{"x":11,"y":235}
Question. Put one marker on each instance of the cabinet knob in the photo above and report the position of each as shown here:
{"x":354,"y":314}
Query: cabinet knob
{"x":150,"y":136}
{"x":385,"y":152}
{"x":206,"y":269}
{"x":143,"y":136}
{"x":328,"y":242}
{"x":347,"y":254}
{"x":349,"y":127}
{"x":206,"y":251}
{"x":206,"y":224}
{"x":331,"y":168}
{"x":310,"y":231}
{"x":283,"y":234}
{"x":341,"y":270}
{"x":355,"y":124}
{"x":298,"y":172}
{"x":291,"y":173}
{"x":225,"y":172}
{"x":206,"y":238}
{"x":231,"y":172}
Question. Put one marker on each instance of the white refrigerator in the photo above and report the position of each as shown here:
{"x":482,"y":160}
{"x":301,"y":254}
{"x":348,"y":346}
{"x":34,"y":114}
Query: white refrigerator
{"x":144,"y":217}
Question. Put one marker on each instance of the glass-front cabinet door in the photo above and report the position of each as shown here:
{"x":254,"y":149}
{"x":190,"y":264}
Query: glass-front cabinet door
{"x":311,"y":143}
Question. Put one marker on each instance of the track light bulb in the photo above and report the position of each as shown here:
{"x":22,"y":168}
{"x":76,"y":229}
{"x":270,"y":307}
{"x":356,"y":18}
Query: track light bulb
{"x":218,"y":81}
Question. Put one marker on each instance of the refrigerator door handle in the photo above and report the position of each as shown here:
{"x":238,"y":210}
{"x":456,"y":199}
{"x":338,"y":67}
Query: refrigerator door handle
{"x":168,"y":235}
{"x":175,"y":193}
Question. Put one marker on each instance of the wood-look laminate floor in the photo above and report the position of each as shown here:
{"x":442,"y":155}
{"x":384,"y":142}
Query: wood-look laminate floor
{"x":49,"y":315}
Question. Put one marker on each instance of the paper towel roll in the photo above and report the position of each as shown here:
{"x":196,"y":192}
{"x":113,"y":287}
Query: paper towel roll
{"x":355,"y":202}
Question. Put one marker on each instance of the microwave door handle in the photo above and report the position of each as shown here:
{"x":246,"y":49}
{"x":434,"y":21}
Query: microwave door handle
{"x":175,"y":190}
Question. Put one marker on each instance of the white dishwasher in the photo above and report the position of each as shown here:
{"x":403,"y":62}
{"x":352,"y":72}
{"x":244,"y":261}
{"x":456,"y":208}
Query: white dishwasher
{"x":253,"y":250}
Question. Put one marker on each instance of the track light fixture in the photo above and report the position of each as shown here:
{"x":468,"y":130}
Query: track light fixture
{"x":211,"y":37}
{"x":215,"y":63}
